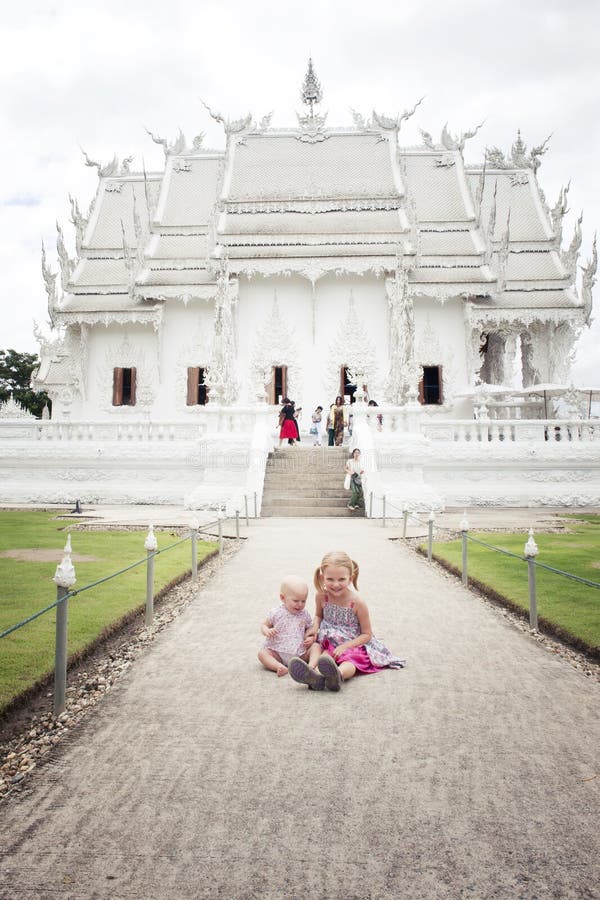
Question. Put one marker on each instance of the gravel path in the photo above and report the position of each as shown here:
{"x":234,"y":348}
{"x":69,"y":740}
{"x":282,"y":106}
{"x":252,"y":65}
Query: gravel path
{"x":472,"y":773}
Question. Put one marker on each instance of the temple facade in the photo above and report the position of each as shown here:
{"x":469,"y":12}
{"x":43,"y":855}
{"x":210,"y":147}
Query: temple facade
{"x":310,"y":261}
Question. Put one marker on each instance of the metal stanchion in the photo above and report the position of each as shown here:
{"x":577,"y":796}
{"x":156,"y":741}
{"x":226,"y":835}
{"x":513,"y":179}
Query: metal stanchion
{"x":464,"y":527}
{"x":383,"y":511}
{"x":405,"y":521}
{"x":430,"y":537}
{"x":255,"y":506}
{"x":237,"y":523}
{"x":531,"y":551}
{"x":194,"y":525}
{"x":151,"y":545}
{"x":64,"y":578}
{"x":220,"y":517}
{"x":246,"y":508}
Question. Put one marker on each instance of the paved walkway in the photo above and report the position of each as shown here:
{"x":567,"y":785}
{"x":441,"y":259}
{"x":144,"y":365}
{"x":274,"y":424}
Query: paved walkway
{"x":472,"y":773}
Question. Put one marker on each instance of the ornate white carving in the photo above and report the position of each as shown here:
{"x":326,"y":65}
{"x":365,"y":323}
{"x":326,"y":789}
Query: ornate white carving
{"x":569,"y":257}
{"x":12,"y":409}
{"x":275,"y":344}
{"x":196,"y":353}
{"x":517,"y":179}
{"x":127,"y":355}
{"x":66,"y":264}
{"x":457,"y":142}
{"x":182,"y":165}
{"x":220,"y":376}
{"x":237,"y":126}
{"x":388,"y":124}
{"x":429,"y":352}
{"x":557,"y":214}
{"x":140,"y":316}
{"x":112,"y":168}
{"x":445,"y":162}
{"x":403,"y":373}
{"x":352,"y":347}
{"x":178,"y":145}
{"x":519,"y":158}
{"x":80,"y":223}
{"x":113,"y":187}
{"x":588,"y":280}
{"x":50,"y":284}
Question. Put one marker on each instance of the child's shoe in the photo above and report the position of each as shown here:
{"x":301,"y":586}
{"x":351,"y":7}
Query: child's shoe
{"x":327,"y":666}
{"x":303,"y":674}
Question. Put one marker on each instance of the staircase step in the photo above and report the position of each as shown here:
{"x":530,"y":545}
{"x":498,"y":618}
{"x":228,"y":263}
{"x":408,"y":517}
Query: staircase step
{"x":301,"y":512}
{"x":271,"y":492}
{"x":304,"y":501}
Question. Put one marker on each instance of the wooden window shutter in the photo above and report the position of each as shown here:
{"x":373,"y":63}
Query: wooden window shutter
{"x":193,"y":376}
{"x":421,"y":391}
{"x":441,"y":385}
{"x":283,"y":383}
{"x":117,"y":387}
{"x":133,"y":385}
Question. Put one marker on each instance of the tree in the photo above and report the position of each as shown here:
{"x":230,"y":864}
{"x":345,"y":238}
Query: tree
{"x":15,"y":379}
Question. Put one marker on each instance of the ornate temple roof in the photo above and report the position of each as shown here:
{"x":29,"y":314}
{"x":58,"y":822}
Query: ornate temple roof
{"x":313,"y":199}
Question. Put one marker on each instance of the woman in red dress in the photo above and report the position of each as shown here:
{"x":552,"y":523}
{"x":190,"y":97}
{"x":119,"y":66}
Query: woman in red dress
{"x":287,"y":423}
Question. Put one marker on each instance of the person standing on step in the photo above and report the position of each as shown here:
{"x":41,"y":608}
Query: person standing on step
{"x":354,"y":472}
{"x":316,"y":429}
{"x":338,"y":418}
{"x":288,"y":427}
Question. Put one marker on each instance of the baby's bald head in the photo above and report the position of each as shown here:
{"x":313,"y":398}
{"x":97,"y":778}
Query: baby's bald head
{"x":293,"y":588}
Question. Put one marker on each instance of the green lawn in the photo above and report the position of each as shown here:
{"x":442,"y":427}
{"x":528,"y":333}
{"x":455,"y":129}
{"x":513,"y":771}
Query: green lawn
{"x":565,"y":604}
{"x":26,"y":586}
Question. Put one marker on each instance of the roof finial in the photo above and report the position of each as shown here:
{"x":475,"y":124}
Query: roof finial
{"x":311,"y":88}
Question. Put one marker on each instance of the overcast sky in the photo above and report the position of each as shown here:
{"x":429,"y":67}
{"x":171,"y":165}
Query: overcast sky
{"x":94,"y":74}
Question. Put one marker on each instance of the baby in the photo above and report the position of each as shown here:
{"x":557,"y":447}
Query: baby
{"x":287,"y":628}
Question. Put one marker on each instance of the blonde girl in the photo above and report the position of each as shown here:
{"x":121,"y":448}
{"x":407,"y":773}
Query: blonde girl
{"x":345,"y":642}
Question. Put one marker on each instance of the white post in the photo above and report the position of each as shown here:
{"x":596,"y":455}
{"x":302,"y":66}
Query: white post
{"x":464,"y":527}
{"x":64,"y":578}
{"x":151,"y":545}
{"x":405,"y":520}
{"x":194,"y":525}
{"x":220,"y":517}
{"x":430,"y":521}
{"x":531,"y":551}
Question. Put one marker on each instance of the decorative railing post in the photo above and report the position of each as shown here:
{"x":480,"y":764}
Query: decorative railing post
{"x":194,"y":525}
{"x":404,"y":520}
{"x":220,"y":517}
{"x":464,"y":528}
{"x":237,"y":523}
{"x":430,"y":522}
{"x":383,"y":511}
{"x":151,"y":545}
{"x":371,"y":504}
{"x":246,"y":508}
{"x":64,"y":578}
{"x":531,"y":551}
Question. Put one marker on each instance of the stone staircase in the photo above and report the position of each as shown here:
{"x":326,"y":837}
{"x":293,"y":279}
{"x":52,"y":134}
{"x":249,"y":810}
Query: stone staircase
{"x":306,"y":482}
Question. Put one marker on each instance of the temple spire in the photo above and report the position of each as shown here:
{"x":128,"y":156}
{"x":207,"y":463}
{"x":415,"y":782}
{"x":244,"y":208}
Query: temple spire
{"x":311,"y":88}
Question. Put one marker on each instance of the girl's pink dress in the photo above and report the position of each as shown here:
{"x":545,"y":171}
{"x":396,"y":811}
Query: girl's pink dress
{"x":339,"y":624}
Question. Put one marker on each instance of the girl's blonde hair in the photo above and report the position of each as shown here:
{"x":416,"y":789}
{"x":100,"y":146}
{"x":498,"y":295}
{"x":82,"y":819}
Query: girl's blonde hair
{"x":336,"y":558}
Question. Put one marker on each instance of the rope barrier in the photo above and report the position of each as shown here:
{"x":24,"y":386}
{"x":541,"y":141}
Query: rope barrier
{"x":32,"y":617}
{"x":87,"y":587}
{"x":458,"y":534}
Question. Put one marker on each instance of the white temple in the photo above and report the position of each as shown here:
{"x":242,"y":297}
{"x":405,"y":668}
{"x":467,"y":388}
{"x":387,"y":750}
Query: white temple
{"x":308,"y":261}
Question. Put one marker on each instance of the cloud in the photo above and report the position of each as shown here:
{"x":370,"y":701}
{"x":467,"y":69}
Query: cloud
{"x":79,"y":74}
